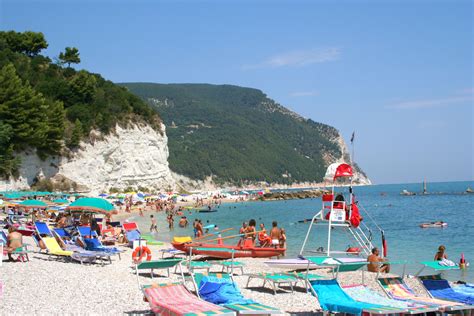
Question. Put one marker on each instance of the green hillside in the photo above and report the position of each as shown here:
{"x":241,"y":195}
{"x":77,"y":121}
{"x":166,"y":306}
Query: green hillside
{"x":49,"y":106}
{"x":238,"y":134}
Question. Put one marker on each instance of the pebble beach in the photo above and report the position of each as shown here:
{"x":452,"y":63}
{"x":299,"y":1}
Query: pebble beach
{"x":45,"y":287}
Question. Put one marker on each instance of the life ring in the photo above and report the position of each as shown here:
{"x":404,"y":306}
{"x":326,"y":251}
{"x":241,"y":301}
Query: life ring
{"x":139,"y":253}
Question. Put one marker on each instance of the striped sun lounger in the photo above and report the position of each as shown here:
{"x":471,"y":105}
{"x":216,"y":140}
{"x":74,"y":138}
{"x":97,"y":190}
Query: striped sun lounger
{"x":333,"y":299}
{"x":362,"y":293}
{"x":398,"y":290}
{"x":275,"y":279}
{"x":175,"y":300}
{"x":251,"y":307}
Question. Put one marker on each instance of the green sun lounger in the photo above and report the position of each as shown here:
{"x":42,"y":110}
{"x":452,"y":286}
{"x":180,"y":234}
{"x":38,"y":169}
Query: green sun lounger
{"x":241,"y":309}
{"x":436,"y":266}
{"x":150,"y":240}
{"x":228,"y":266}
{"x":163,"y":264}
{"x":275,"y":279}
{"x":305,"y":277}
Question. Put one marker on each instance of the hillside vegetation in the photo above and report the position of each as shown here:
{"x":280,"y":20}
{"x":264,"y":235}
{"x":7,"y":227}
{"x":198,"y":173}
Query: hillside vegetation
{"x":238,"y":135}
{"x":50,"y":106}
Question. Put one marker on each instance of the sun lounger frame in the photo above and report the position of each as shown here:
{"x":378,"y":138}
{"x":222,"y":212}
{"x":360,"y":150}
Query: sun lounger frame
{"x":234,"y":307}
{"x":267,"y":277}
{"x":439,"y":308}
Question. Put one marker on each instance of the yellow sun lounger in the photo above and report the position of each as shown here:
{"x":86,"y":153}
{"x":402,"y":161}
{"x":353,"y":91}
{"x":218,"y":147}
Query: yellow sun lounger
{"x":54,"y":249}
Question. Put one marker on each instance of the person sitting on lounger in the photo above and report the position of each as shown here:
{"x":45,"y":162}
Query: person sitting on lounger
{"x":14,"y":241}
{"x":375,"y":260}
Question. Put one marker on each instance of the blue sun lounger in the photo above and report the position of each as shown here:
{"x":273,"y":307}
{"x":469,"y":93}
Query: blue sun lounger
{"x":333,"y":299}
{"x":93,"y":243}
{"x":440,"y":288}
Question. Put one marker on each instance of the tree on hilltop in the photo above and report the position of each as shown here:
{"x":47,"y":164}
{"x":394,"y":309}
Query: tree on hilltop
{"x":70,"y":56}
{"x":29,"y":43}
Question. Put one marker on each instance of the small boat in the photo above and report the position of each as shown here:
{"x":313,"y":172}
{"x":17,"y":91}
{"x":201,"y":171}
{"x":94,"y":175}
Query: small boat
{"x":469,"y":190}
{"x":407,"y":193}
{"x":434,"y":225}
{"x":226,"y":251}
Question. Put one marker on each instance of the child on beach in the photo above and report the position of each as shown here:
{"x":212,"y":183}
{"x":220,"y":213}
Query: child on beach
{"x":153,"y":226}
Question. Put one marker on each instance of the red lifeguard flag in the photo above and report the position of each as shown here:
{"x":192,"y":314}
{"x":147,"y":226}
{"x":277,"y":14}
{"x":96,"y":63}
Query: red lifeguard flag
{"x":343,"y":170}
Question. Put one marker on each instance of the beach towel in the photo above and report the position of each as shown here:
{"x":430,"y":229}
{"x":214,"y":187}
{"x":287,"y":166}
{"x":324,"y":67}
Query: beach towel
{"x":221,"y":291}
{"x":364,"y":294}
{"x":441,"y":289}
{"x":332,"y":298}
{"x":176,"y":300}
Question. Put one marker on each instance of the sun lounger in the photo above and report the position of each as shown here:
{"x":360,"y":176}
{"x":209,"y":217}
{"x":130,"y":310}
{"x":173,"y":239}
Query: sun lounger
{"x":228,"y":266}
{"x":54,"y":249}
{"x":80,"y":254}
{"x":171,"y":251}
{"x":220,"y":288}
{"x":305,"y":277}
{"x":397,"y":289}
{"x":152,"y":265}
{"x":436,"y":266}
{"x":174,"y":299}
{"x":333,"y":299}
{"x":94,"y":244}
{"x":362,"y":293}
{"x":440,"y":288}
{"x":275,"y":279}
{"x":43,"y":230}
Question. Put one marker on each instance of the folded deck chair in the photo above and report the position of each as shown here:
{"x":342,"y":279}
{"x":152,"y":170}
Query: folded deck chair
{"x":332,"y":298}
{"x":220,"y":289}
{"x":397,"y":289}
{"x":440,"y":288}
{"x":362,"y":293}
{"x":175,"y":300}
{"x":275,"y":279}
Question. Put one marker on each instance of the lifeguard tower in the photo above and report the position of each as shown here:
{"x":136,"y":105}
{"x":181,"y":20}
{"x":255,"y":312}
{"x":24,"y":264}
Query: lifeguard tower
{"x":337,"y":213}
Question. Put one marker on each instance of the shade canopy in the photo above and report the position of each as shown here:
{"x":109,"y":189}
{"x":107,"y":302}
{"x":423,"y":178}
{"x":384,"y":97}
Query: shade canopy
{"x":33,"y":204}
{"x":337,"y":170}
{"x":60,"y":201}
{"x":95,"y":205}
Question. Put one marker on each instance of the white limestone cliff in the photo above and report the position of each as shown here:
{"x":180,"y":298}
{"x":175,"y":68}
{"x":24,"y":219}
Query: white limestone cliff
{"x":128,"y":157}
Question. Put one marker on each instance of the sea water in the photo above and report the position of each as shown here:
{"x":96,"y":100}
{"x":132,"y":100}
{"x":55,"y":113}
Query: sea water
{"x":399,"y":216}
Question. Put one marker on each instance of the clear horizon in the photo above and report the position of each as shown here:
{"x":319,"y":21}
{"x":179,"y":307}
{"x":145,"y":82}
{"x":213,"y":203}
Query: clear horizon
{"x":399,"y":74}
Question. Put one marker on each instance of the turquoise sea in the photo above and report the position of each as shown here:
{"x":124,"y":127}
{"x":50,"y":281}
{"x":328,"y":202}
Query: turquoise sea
{"x":399,"y":216}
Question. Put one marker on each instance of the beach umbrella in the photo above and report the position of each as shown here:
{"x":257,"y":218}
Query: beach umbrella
{"x":93,"y":205}
{"x":60,"y":201}
{"x":103,"y":195}
{"x":33,"y":204}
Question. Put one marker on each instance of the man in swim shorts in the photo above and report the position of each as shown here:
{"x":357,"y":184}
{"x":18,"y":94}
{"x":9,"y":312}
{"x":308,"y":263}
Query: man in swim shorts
{"x":374,"y":262}
{"x":275,"y":234}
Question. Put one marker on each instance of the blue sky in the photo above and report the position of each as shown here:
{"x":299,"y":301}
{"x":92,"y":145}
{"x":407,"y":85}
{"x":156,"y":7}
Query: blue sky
{"x":399,"y":73}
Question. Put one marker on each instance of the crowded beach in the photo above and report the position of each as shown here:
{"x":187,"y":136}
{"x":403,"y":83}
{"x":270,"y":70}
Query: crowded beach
{"x":73,"y":254}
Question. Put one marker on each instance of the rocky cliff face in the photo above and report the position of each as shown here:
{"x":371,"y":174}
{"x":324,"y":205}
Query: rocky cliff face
{"x":133,"y":156}
{"x":129,"y":157}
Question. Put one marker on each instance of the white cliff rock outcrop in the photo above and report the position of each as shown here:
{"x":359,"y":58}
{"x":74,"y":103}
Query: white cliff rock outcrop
{"x":133,"y":156}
